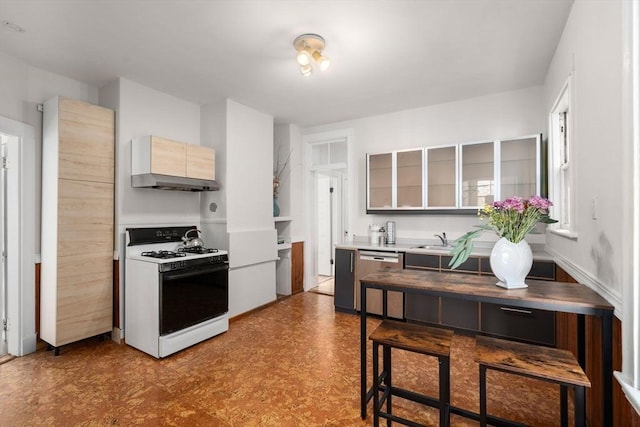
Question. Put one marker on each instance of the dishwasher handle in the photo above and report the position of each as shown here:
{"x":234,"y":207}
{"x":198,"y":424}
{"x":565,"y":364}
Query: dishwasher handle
{"x":390,"y":257}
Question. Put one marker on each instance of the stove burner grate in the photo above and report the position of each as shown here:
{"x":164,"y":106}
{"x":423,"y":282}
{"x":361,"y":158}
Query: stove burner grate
{"x":163,"y":254}
{"x":196,"y":250}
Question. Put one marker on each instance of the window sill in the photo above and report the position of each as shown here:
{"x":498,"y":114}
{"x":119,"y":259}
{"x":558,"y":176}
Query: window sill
{"x":571,"y":235}
{"x":631,"y":393}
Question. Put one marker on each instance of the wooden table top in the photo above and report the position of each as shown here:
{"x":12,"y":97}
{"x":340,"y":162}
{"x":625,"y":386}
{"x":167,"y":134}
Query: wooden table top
{"x":558,"y":296}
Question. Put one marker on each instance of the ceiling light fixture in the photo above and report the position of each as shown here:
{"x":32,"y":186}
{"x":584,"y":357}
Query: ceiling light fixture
{"x":310,"y":46}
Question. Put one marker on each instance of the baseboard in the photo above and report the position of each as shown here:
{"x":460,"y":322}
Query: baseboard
{"x":259,"y":308}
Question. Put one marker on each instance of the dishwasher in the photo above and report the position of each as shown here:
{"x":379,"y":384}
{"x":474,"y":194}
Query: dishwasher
{"x":369,"y":262}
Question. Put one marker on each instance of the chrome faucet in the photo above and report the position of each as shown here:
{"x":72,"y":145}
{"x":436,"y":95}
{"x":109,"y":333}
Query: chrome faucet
{"x":442,"y":238}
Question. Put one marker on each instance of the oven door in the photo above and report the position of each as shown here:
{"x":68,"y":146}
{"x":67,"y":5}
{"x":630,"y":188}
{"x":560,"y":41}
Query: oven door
{"x":193,"y":295}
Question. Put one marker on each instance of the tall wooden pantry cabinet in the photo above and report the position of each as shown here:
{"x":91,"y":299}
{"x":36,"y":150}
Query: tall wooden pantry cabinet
{"x":76,"y":293}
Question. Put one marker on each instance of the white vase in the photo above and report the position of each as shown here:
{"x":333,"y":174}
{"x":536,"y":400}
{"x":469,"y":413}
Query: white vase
{"x":511,"y":262}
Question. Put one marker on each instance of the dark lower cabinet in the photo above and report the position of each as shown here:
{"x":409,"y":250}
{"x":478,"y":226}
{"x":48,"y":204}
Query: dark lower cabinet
{"x":542,"y":270}
{"x":343,"y":299}
{"x":471,"y":265}
{"x":421,"y":261}
{"x":545,"y":270}
{"x":423,"y":308}
{"x":458,"y":313}
{"x":538,"y":326}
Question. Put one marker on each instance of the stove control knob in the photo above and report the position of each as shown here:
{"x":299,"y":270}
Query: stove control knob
{"x":177,"y":264}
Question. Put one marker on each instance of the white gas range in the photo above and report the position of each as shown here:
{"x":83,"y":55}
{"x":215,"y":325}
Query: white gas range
{"x":175,"y":296}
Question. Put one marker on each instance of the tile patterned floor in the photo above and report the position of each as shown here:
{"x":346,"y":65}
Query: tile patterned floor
{"x":295,"y":363}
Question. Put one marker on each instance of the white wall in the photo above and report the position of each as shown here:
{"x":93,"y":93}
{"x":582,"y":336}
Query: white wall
{"x":291,"y":198}
{"x":281,"y":149}
{"x":250,"y":154}
{"x":243,"y":222}
{"x":501,"y":115}
{"x":145,"y":111}
{"x":252,"y":234}
{"x":591,"y":50}
{"x":213,"y":119}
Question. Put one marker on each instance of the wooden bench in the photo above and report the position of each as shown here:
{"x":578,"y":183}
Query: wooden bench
{"x":533,"y":361}
{"x":418,"y":339}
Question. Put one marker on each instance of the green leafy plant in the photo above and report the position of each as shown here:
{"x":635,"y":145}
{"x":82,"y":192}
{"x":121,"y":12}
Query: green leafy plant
{"x":512,"y":219}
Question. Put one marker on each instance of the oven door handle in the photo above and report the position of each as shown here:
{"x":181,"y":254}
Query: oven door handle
{"x":193,"y":271}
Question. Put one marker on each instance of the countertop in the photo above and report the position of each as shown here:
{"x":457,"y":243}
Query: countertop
{"x":482,"y":249}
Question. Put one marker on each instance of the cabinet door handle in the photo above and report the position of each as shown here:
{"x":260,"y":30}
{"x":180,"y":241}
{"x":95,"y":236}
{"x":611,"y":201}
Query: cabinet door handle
{"x":516,"y":310}
{"x":351,"y":265}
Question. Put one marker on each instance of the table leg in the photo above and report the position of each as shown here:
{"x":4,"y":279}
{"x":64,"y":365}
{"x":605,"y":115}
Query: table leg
{"x":581,"y":341}
{"x":607,"y":368}
{"x":363,"y":352}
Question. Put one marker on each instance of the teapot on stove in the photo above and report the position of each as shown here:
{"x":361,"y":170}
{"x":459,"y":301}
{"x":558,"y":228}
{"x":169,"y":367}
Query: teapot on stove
{"x":191,"y":242}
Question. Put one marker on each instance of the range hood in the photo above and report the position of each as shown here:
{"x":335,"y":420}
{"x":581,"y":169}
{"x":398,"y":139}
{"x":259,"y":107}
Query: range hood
{"x":176,"y":183}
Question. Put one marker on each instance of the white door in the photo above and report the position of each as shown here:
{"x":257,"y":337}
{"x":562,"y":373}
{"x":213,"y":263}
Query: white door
{"x":324,"y":220}
{"x":3,"y":246}
{"x":330,"y":218}
{"x":17,"y":237}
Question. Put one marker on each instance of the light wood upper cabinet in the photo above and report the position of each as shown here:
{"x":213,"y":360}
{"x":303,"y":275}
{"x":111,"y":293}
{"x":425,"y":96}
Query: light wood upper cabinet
{"x":86,"y":147}
{"x":167,"y":157}
{"x":201,"y":162}
{"x":153,"y":154}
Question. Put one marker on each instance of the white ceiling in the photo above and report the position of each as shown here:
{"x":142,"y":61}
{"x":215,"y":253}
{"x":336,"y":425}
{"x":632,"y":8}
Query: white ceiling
{"x":387,"y":55}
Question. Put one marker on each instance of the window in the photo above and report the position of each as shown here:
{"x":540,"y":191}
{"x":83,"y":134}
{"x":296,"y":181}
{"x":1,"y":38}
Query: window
{"x":560,"y":173}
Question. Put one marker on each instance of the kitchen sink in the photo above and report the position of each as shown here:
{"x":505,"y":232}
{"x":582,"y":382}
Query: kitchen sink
{"x":434,"y":247}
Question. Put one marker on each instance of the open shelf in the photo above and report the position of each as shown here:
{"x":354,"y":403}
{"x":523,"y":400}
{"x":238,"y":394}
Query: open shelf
{"x":284,"y":246}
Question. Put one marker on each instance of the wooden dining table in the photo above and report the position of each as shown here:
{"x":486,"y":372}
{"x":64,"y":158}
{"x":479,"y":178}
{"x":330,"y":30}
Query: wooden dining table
{"x":544,"y":295}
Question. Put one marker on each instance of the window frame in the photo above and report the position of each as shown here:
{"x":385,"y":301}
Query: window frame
{"x":561,"y":168}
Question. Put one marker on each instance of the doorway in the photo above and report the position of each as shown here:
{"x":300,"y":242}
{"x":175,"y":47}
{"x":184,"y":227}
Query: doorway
{"x":330,"y":220}
{"x":17,"y":238}
{"x":327,"y":206}
{"x":3,"y":246}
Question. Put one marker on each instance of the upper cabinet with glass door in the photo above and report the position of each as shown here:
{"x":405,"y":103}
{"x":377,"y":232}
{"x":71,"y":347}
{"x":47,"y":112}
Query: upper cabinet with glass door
{"x":409,"y":179}
{"x":380,"y":181}
{"x":477,"y":182}
{"x":520,"y":167}
{"x":442,"y":170}
{"x":395,"y":180}
{"x":454,"y":178}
